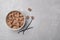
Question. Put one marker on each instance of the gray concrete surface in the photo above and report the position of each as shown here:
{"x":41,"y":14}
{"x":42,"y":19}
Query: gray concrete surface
{"x":46,"y":23}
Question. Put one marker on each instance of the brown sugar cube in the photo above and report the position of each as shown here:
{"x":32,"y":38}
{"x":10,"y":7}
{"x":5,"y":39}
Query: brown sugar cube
{"x":14,"y":22}
{"x":13,"y":18}
{"x":17,"y":24}
{"x":21,"y":19}
{"x":21,"y":23}
{"x":13,"y":12}
{"x":7,"y":20}
{"x":9,"y":23}
{"x":10,"y":15}
{"x":16,"y":19}
{"x":20,"y":15}
{"x":14,"y":27}
{"x":17,"y":15}
{"x":10,"y":19}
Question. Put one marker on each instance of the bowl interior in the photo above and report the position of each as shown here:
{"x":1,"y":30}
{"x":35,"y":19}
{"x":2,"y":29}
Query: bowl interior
{"x":16,"y":21}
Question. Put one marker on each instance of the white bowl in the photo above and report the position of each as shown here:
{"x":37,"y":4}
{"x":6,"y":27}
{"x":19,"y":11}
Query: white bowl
{"x":23,"y":12}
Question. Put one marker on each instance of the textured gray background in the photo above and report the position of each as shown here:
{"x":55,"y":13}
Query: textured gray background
{"x":46,"y":24}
